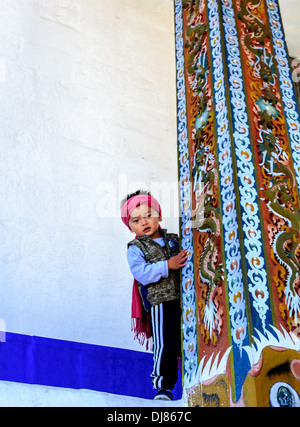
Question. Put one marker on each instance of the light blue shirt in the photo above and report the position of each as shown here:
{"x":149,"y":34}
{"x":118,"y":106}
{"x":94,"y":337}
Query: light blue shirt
{"x":143,"y":272}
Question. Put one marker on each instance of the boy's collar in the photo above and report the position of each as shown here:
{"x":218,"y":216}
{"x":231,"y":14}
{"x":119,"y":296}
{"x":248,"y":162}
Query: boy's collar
{"x":163,"y":233}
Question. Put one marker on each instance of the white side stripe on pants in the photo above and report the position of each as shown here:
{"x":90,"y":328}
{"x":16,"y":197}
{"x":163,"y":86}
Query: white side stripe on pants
{"x":157,"y":316}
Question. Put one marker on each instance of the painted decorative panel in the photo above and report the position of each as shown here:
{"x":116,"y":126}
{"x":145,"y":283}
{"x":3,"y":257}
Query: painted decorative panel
{"x":239,"y":166}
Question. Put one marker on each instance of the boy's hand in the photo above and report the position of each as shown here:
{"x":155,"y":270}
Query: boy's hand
{"x":177,"y":262}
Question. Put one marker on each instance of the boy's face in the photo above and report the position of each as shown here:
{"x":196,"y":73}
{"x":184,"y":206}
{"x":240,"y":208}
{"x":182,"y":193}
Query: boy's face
{"x":145,"y":221}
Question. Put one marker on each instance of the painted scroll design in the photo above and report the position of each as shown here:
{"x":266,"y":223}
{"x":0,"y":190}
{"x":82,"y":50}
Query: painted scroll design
{"x":293,"y":125}
{"x":278,"y":184}
{"x":254,"y":253}
{"x":189,"y":333}
{"x":234,"y":272}
{"x":203,"y":151}
{"x":243,"y":355}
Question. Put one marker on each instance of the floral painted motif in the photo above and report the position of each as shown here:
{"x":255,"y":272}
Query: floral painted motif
{"x":239,"y":162}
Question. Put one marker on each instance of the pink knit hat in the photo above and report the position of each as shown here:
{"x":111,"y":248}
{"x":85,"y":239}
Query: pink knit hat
{"x":134,"y":202}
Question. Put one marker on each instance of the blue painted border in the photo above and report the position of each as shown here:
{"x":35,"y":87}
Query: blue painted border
{"x":189,"y":326}
{"x":261,"y":312}
{"x":66,"y":364}
{"x":232,"y":245}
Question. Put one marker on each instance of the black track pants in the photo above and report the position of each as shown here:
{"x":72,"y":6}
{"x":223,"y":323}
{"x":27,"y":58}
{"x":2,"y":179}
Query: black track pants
{"x":166,"y":322}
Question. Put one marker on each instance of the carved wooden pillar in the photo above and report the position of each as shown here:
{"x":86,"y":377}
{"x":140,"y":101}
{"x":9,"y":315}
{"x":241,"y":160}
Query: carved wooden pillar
{"x":239,"y":163}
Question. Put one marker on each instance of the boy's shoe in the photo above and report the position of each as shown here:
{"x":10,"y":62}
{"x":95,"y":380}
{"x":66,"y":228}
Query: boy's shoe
{"x":164,"y":394}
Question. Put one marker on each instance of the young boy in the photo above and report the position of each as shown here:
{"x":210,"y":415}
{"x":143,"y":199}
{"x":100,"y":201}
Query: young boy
{"x":155,"y":261}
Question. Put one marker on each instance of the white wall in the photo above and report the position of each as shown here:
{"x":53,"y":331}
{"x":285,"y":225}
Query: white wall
{"x":290,"y":11}
{"x":88,"y":104}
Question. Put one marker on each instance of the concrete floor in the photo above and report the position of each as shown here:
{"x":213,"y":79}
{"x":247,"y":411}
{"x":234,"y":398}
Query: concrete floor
{"x":34,"y":396}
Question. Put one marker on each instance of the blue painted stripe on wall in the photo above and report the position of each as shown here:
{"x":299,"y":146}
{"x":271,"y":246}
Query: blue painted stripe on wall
{"x":65,"y":364}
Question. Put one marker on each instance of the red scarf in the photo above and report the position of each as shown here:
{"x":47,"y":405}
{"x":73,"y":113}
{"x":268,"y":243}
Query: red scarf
{"x":140,"y":319}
